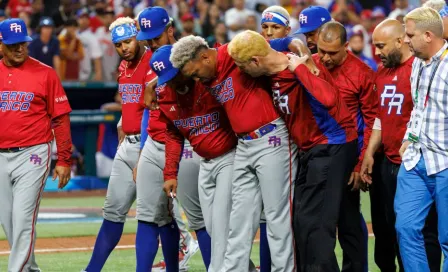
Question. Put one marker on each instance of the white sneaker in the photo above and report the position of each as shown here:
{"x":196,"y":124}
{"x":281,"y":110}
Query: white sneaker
{"x":188,"y":251}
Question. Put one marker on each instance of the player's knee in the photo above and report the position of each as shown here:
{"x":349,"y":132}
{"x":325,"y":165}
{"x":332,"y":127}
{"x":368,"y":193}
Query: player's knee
{"x":114,"y":215}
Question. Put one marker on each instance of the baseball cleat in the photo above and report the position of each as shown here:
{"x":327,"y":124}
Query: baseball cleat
{"x":161,"y":266}
{"x":188,"y":252}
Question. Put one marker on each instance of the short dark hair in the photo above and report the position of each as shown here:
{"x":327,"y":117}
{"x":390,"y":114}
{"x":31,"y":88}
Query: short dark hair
{"x":333,"y":30}
{"x":71,"y":22}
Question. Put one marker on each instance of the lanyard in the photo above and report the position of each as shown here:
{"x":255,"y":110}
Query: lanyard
{"x":430,"y":79}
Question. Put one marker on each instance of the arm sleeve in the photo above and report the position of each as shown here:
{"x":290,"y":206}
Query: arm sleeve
{"x":61,"y":127}
{"x":174,"y":144}
{"x":319,"y":88}
{"x":57,"y":101}
{"x":280,"y":45}
{"x":368,"y":99}
{"x":143,"y":128}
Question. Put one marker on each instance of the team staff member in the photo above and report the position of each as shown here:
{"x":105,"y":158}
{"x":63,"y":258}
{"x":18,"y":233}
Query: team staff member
{"x":357,"y":91}
{"x":265,"y":161}
{"x":423,"y":174}
{"x":192,"y":113}
{"x":31,"y":112}
{"x":156,"y":34}
{"x":329,"y":132}
{"x":394,"y":94}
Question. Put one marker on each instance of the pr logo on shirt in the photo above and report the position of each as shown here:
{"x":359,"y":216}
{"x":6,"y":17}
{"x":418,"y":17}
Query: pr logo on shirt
{"x":223,"y":92}
{"x":35,"y":159}
{"x":275,"y":141}
{"x":187,"y":154}
{"x":15,"y":101}
{"x":395,"y":99}
{"x":203,"y":124}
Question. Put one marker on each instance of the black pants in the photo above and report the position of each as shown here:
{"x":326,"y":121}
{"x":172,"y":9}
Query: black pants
{"x":325,"y":170}
{"x":350,"y":232}
{"x":382,"y":194}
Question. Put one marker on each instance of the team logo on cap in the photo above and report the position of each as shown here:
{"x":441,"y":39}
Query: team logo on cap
{"x":303,"y":19}
{"x":119,"y":31}
{"x":268,"y":16}
{"x":158,"y":65}
{"x":145,"y":23}
{"x":15,"y":27}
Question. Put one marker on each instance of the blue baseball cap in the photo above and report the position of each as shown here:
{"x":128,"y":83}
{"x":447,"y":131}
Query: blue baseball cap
{"x":152,"y":22}
{"x":162,"y":66}
{"x":312,"y":18}
{"x":14,"y":31}
{"x":123,"y":32}
{"x":444,"y":12}
{"x":46,"y":21}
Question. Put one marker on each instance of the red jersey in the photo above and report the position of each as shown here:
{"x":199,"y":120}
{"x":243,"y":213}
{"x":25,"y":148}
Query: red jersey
{"x":355,"y":83}
{"x":131,"y":85}
{"x":246,"y":100}
{"x":312,"y":108}
{"x":395,"y":106}
{"x":197,"y":117}
{"x":31,"y":96}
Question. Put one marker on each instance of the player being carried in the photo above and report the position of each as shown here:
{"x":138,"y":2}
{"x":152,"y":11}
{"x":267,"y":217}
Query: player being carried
{"x":321,"y":126}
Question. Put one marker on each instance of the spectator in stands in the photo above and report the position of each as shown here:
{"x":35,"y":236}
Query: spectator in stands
{"x":220,"y":35}
{"x":187,"y":25}
{"x":2,"y":15}
{"x":72,"y":51}
{"x":62,"y":14}
{"x":14,"y":7}
{"x":201,"y":10}
{"x":356,"y":45}
{"x":214,"y":16}
{"x":401,"y":8}
{"x":346,"y":11}
{"x":252,"y":23}
{"x":92,"y":49}
{"x":378,"y":15}
{"x":110,"y":57}
{"x":235,"y":18}
{"x":38,"y":13}
{"x":45,"y":47}
{"x":128,"y":10}
{"x":25,"y":16}
{"x":444,"y":14}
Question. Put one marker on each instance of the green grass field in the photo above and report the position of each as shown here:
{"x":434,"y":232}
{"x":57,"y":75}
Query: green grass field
{"x":120,"y":260}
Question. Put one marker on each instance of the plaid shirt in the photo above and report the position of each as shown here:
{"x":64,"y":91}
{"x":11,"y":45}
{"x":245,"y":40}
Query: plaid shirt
{"x":433,"y":138}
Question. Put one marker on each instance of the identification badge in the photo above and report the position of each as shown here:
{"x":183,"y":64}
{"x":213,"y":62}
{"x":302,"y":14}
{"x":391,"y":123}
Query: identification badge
{"x":416,"y":125}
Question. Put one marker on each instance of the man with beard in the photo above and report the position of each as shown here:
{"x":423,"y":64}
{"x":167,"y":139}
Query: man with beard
{"x":357,"y":91}
{"x":394,"y":94}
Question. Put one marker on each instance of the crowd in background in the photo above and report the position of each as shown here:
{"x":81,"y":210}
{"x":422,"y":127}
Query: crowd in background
{"x":73,"y":36}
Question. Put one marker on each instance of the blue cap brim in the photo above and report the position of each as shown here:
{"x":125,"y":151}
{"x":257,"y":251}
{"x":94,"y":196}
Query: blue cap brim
{"x":167,"y":77}
{"x":143,"y":36}
{"x":304,"y":30}
{"x":18,"y":40}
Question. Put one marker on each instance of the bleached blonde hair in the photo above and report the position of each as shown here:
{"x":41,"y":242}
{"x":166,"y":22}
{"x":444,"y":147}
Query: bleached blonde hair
{"x":280,"y":10}
{"x":186,"y":49}
{"x":435,"y":4}
{"x":246,"y":45}
{"x":426,"y":19}
{"x":121,"y":21}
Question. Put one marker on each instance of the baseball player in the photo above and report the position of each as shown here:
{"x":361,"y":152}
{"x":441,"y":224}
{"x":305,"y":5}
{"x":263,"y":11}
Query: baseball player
{"x":121,"y":192}
{"x":155,"y":26}
{"x":192,"y":113}
{"x":321,"y":125}
{"x":33,"y":112}
{"x":357,"y":91}
{"x":394,"y":95}
{"x":265,"y":158}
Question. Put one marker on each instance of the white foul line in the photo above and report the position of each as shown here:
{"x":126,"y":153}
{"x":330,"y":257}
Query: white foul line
{"x":74,"y":249}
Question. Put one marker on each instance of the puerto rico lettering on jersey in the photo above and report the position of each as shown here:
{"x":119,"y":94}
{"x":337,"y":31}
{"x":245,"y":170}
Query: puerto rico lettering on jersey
{"x":203,"y":124}
{"x":130,"y":93}
{"x":15,"y":100}
{"x":223,"y":92}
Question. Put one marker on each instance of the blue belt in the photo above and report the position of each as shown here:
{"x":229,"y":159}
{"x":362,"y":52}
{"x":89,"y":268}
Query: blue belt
{"x":258,"y":133}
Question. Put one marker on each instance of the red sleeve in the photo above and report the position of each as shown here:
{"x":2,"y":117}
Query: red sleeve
{"x":368,"y":99}
{"x":319,"y":88}
{"x":57,"y":99}
{"x":61,"y":127}
{"x":174,"y":143}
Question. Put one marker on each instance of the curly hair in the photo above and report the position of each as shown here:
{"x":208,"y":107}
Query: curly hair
{"x":186,"y":49}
